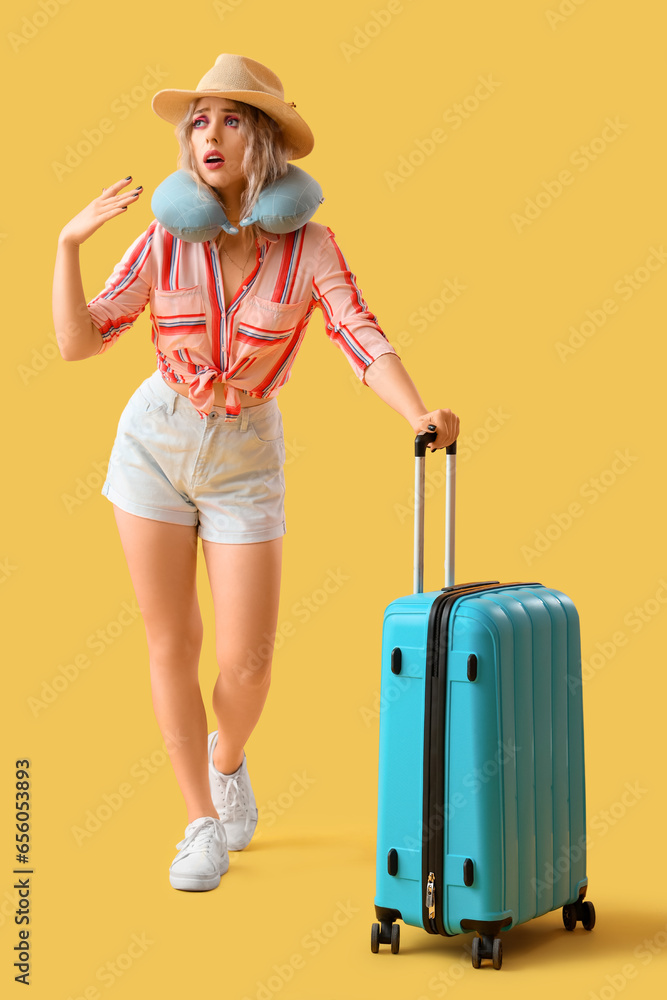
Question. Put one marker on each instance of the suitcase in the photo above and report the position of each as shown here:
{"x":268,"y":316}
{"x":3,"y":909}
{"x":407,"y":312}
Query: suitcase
{"x":481,"y":797}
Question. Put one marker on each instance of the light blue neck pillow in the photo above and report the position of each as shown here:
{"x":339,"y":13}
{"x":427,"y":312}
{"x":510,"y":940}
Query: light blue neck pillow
{"x":195,"y":215}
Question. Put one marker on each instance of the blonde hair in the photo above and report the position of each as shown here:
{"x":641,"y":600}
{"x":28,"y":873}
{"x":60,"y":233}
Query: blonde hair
{"x":265,"y":158}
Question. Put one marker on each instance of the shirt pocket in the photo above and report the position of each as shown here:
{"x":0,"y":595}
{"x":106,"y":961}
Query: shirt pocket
{"x":180,"y":319}
{"x":261,"y":324}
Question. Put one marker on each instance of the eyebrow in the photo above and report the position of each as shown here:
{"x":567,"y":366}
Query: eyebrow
{"x":197,"y":110}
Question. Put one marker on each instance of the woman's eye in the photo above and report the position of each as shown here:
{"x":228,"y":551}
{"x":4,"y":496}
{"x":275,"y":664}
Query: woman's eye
{"x":202,"y":121}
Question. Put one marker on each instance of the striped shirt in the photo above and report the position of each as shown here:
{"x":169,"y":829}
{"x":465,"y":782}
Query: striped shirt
{"x":251,"y":345}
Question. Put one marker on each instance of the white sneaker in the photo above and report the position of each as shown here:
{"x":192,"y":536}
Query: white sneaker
{"x":233,"y":798}
{"x":202,"y":857}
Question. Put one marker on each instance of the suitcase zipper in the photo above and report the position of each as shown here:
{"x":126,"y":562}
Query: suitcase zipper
{"x":430,"y":895}
{"x":434,"y":758}
{"x":434,"y":747}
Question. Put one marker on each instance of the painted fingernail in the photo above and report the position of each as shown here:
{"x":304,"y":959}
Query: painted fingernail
{"x":129,"y":178}
{"x":124,"y":208}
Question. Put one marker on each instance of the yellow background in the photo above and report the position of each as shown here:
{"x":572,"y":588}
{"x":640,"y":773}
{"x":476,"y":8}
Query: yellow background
{"x":371,"y":93}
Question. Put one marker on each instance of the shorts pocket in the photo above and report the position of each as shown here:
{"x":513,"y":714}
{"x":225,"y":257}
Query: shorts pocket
{"x":266,"y":426}
{"x":149,"y":399}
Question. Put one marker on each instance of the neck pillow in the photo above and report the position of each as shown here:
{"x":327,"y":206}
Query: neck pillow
{"x":195,"y":215}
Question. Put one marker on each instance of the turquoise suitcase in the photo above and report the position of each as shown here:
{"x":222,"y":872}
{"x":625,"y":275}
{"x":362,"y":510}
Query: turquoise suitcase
{"x":481,"y":799}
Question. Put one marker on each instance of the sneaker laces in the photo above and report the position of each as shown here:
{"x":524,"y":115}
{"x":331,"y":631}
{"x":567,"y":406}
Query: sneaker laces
{"x":233,"y":798}
{"x":200,"y":836}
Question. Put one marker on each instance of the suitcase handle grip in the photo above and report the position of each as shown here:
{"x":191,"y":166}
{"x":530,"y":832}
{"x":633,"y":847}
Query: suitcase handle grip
{"x":425,"y":438}
{"x":421,"y":440}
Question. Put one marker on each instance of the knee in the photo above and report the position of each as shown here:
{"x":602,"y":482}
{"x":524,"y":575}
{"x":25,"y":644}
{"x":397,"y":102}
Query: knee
{"x":252,"y":667}
{"x":175,"y":646}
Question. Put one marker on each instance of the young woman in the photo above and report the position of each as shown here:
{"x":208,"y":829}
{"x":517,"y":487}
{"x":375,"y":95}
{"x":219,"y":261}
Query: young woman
{"x":199,"y":450}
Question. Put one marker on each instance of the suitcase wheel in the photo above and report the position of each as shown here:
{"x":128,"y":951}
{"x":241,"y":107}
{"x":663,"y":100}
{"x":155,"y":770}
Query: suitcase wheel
{"x":570,"y":916}
{"x":395,"y":938}
{"x":385,"y":934}
{"x":588,"y":915}
{"x":485,"y":946}
{"x":582,"y":910}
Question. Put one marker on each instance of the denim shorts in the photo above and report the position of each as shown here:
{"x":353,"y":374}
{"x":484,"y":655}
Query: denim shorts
{"x":169,"y":464}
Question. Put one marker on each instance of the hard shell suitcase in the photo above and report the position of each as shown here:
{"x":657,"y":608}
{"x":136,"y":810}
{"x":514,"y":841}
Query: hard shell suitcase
{"x":481,"y":798}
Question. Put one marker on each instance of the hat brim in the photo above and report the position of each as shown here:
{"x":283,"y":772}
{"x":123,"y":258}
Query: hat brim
{"x":171,"y":105}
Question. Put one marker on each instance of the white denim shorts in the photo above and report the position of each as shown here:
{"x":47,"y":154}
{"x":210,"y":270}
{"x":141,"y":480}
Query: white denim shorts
{"x":169,"y":464}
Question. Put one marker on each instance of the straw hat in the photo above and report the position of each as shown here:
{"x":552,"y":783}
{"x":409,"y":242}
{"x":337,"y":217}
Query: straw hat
{"x":241,"y":79}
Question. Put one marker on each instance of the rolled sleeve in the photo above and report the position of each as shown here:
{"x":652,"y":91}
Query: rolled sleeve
{"x":126,"y":291}
{"x":348,"y":321}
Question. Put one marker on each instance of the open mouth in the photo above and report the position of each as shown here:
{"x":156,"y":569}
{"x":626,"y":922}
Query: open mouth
{"x":213,"y":159}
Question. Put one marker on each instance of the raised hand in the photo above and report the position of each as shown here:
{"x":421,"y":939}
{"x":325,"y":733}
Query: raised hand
{"x":111,"y":202}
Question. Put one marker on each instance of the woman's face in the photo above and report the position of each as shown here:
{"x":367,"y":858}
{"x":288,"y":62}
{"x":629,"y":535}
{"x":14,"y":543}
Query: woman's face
{"x":215,"y":128}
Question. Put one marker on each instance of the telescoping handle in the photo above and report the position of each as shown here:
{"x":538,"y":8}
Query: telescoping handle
{"x":421,"y":441}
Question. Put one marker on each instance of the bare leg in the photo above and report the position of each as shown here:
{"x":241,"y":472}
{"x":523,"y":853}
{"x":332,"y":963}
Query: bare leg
{"x":162,"y":560}
{"x":245,"y":584}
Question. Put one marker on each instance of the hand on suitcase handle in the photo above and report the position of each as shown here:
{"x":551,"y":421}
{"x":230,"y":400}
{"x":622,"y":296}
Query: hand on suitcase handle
{"x":444,"y":424}
{"x":425,"y":438}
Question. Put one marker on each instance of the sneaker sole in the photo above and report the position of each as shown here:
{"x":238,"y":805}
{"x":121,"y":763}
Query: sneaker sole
{"x":240,"y":845}
{"x":195,"y":883}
